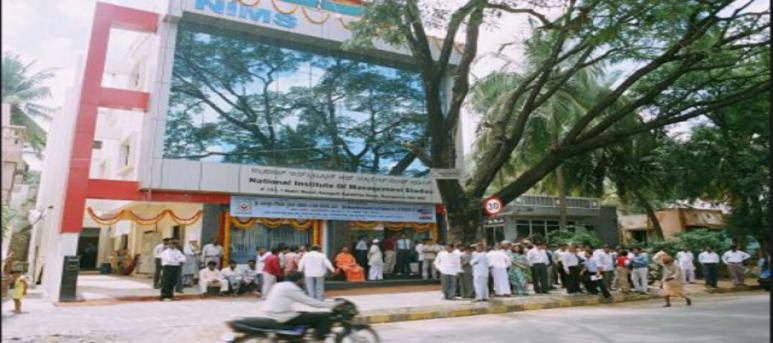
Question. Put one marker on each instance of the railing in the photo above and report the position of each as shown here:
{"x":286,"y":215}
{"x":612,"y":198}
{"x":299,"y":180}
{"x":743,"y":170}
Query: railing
{"x":553,"y":201}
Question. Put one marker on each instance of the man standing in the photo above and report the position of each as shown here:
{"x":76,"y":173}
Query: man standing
{"x":290,"y":260}
{"x":428,"y":268}
{"x":685,"y":259}
{"x":710,"y":262}
{"x":480,"y":271}
{"x":314,"y":266}
{"x":558,"y":259}
{"x":390,"y":257}
{"x":404,"y":251}
{"x":734,"y":259}
{"x":538,"y":260}
{"x":499,"y":262}
{"x":260,"y":264}
{"x":606,"y":265}
{"x":361,"y":253}
{"x":571,"y":266}
{"x":640,"y":265}
{"x":212,"y":252}
{"x":449,"y":265}
{"x":172,"y":260}
{"x":466,"y":277}
{"x":595,"y":275}
{"x":419,"y":249}
{"x":271,"y":271}
{"x":157,"y":251}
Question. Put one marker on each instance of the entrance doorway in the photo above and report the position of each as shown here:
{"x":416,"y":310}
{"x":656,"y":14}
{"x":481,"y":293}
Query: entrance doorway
{"x":88,"y":248}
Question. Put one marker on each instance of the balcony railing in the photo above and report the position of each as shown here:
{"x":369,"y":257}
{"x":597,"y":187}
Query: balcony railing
{"x":553,"y":201}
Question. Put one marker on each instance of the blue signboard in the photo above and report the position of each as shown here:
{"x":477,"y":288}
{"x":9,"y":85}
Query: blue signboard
{"x":264,"y":207}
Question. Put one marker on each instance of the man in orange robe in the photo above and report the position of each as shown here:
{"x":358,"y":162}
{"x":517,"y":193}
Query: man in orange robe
{"x":345,"y":261}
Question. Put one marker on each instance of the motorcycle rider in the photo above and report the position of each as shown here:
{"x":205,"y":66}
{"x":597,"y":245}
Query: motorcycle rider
{"x":279,"y":307}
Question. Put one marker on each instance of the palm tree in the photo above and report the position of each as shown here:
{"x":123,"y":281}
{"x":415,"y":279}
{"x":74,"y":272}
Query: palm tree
{"x":22,"y":90}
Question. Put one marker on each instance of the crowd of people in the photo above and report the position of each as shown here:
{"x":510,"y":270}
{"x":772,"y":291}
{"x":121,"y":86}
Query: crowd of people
{"x":475,"y":272}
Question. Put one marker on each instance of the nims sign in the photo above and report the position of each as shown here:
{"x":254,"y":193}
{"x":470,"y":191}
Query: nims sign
{"x":237,"y":9}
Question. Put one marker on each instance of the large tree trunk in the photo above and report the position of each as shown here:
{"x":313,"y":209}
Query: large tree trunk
{"x":562,"y":211}
{"x":650,"y":211}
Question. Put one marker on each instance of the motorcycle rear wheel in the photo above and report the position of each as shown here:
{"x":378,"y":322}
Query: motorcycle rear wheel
{"x":359,"y":335}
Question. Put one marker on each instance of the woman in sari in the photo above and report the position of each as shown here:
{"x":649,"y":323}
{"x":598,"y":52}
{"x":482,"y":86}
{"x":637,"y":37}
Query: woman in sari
{"x":346,"y":262}
{"x":672,"y":281}
{"x":519,"y":271}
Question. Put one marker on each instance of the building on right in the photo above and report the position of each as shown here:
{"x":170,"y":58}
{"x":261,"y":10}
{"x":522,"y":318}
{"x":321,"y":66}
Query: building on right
{"x":534,"y":214}
{"x":639,"y":228}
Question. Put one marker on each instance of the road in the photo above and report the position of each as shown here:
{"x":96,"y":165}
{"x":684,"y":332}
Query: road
{"x":736,"y":319}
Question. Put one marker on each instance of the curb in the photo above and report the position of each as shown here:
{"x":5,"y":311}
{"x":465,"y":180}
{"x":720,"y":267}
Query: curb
{"x":504,"y":306}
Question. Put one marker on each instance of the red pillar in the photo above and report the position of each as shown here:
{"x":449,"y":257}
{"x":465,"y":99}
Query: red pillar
{"x":92,"y":96}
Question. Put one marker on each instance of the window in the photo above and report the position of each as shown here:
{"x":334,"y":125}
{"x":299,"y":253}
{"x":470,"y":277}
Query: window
{"x":289,"y":105}
{"x":97,"y":145}
{"x":552,"y":225}
{"x":495,"y":234}
{"x":178,"y":233}
{"x":125,"y":153}
{"x":522,"y":227}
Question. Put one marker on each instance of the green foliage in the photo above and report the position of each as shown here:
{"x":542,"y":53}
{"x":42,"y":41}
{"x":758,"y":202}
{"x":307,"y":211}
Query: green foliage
{"x":694,"y":240}
{"x":23,"y":89}
{"x":578,"y":236}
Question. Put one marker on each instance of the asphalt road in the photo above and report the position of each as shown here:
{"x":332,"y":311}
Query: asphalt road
{"x":726,"y":318}
{"x":722,"y":318}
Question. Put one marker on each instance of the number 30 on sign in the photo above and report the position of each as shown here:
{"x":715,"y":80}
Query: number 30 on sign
{"x":493,"y":206}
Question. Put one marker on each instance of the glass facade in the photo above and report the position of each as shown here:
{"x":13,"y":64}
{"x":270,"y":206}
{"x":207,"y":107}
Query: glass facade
{"x":240,"y":98}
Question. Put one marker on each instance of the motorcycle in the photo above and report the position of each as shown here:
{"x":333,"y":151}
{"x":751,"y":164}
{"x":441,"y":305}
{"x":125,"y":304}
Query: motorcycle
{"x":343,"y":330}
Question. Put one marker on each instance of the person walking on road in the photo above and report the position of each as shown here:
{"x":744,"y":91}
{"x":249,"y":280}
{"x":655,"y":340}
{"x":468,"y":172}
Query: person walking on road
{"x":449,"y":265}
{"x":314,"y":266}
{"x":734,"y":259}
{"x":709,"y":261}
{"x":672,"y":282}
{"x":480,"y":273}
{"x":640,"y":265}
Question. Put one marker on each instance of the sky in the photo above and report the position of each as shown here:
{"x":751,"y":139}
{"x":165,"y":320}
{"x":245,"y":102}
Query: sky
{"x":54,"y":34}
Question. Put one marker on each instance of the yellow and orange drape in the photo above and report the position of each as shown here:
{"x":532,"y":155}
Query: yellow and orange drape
{"x":397,"y":226}
{"x":131,"y":216}
{"x":229,"y":221}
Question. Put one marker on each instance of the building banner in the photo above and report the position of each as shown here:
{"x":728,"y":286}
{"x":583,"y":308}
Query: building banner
{"x":261,"y":207}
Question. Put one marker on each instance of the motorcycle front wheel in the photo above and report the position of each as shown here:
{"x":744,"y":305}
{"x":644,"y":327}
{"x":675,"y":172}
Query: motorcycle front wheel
{"x":358,"y":335}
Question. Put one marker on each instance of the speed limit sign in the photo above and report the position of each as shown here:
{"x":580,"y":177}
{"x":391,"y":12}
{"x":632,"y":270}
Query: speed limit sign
{"x":493,"y":206}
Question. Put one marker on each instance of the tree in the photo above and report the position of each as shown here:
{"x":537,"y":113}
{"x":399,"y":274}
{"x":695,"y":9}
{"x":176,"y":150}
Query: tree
{"x":725,"y":160}
{"x":23,"y":89}
{"x":679,"y":48}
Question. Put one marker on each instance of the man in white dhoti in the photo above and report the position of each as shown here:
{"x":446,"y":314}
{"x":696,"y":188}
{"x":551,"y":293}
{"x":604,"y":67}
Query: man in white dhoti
{"x":480,"y":271}
{"x":499,"y":262}
{"x":685,"y":258}
{"x":210,"y":278}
